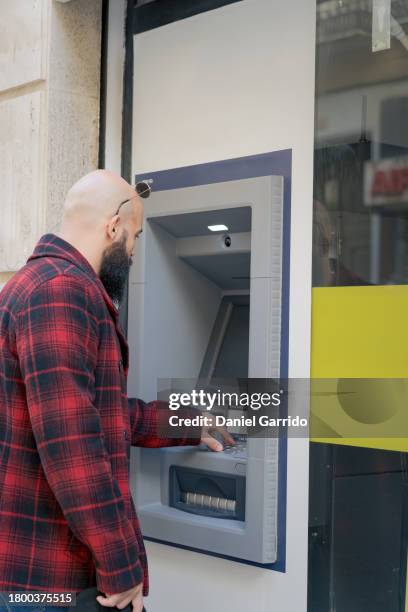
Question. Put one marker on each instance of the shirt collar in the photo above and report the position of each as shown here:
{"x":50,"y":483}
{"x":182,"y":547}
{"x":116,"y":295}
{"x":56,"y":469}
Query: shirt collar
{"x":51,"y":245}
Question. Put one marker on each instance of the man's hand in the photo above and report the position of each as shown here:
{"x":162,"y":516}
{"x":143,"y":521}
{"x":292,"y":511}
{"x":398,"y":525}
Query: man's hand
{"x":121,"y":600}
{"x":208,"y":438}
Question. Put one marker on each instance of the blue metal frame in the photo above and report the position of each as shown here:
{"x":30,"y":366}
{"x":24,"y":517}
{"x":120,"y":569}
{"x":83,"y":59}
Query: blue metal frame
{"x":275,"y":163}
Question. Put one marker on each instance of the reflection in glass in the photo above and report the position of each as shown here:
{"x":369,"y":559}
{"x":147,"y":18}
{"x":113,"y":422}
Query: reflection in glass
{"x":358,"y":525}
{"x":361,"y":143}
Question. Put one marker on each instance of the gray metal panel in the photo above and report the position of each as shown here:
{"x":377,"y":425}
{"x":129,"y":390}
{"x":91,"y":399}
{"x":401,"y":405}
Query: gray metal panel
{"x":196,"y":224}
{"x":256,"y":538}
{"x":226,"y":271}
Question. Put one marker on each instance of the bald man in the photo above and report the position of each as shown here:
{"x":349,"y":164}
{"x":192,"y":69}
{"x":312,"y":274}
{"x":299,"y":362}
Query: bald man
{"x":67,"y":520}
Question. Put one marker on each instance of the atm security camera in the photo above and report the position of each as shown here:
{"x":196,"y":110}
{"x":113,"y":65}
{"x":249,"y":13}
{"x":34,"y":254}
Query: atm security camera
{"x":227,"y":240}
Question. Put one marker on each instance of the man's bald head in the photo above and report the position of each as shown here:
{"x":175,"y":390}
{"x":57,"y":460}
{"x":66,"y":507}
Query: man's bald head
{"x":97,"y":196}
{"x":100,"y":211}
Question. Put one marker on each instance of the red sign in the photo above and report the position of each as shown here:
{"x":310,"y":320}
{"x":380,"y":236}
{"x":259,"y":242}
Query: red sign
{"x":386,"y":182}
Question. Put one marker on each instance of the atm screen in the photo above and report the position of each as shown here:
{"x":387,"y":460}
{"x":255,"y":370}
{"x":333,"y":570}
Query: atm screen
{"x":227,"y":352}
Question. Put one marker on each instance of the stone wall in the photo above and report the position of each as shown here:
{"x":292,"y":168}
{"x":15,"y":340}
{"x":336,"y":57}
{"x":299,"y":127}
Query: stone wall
{"x":49,"y":115}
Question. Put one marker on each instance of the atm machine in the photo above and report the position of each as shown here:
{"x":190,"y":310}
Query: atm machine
{"x":208,"y":304}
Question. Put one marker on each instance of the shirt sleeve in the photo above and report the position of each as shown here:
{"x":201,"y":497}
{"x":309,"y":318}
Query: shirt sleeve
{"x":150,"y":425}
{"x":57,"y":344}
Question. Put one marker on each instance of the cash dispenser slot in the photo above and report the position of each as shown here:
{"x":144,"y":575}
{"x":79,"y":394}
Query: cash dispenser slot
{"x":207,"y":493}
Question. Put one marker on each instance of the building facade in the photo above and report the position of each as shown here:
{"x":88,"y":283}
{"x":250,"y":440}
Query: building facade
{"x":156,"y":86}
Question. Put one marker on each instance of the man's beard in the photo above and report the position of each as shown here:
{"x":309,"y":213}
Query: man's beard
{"x":114,"y":270}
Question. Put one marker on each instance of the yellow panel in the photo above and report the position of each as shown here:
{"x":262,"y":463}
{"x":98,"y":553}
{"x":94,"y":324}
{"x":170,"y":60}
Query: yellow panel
{"x":360,"y":332}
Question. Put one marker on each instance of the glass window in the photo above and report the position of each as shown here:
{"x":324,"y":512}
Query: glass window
{"x":361,"y":143}
{"x":358,"y":496}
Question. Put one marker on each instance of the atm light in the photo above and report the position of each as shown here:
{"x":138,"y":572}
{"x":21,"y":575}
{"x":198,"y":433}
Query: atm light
{"x":217,"y":228}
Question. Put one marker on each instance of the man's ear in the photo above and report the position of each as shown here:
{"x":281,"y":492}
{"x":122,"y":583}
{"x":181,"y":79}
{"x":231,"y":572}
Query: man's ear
{"x":112,"y":227}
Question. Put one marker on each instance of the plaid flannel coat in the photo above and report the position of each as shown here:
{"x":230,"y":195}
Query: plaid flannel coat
{"x":67,"y":519}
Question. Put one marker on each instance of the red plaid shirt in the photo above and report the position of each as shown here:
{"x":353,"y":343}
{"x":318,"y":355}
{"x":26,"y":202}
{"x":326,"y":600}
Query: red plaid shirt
{"x":67,"y":519}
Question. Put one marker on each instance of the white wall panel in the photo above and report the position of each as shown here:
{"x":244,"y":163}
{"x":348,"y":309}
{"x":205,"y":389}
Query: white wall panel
{"x":228,"y":83}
